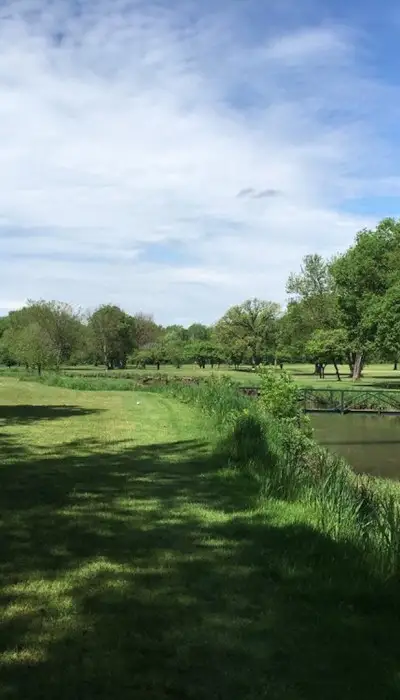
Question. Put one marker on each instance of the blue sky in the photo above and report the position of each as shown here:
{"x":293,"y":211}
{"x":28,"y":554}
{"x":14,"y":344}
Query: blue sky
{"x":180,"y":157}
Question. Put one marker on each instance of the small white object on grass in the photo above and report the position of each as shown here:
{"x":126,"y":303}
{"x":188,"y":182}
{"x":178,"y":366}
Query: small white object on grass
{"x":137,"y":403}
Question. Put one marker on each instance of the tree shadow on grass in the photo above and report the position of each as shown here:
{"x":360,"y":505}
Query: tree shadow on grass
{"x":144,"y":573}
{"x":19,"y":413}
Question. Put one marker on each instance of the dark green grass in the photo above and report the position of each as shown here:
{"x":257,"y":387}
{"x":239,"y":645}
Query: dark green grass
{"x":136,"y":565}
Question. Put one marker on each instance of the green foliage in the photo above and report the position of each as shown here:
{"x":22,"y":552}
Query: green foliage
{"x":145,"y":331}
{"x":384,"y":318}
{"x":32,"y":346}
{"x":112,"y":335}
{"x":312,"y":305}
{"x":7,"y":349}
{"x":203,"y":352}
{"x":141,"y":357}
{"x":279,"y":394}
{"x":363,"y":275}
{"x":174,"y":351}
{"x":54,"y":331}
{"x":328,"y":346}
{"x":252,"y":326}
{"x":237,"y":352}
{"x":176,"y":333}
{"x":198,"y":332}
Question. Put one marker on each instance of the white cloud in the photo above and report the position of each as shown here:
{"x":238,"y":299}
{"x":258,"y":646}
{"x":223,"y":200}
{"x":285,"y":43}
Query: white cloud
{"x":129,"y":129}
{"x":315,"y":44}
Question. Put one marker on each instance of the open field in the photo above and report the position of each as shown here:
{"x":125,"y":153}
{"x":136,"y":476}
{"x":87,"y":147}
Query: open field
{"x":135,"y":564}
{"x":377,"y":376}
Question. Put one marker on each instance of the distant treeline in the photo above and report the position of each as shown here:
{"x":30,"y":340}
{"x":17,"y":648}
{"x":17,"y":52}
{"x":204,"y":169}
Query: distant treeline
{"x":342,"y":310}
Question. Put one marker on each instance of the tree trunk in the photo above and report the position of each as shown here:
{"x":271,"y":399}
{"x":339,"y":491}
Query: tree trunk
{"x":337,"y":371}
{"x":39,"y":369}
{"x":158,"y":366}
{"x":395,"y":364}
{"x":358,"y":365}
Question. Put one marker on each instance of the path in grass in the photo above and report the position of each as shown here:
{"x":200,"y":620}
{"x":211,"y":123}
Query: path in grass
{"x":133,"y":567}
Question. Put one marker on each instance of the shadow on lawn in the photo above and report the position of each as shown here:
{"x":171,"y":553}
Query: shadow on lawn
{"x":150,"y":596}
{"x":12,"y":414}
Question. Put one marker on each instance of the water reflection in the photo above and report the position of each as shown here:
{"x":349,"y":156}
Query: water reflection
{"x":369,"y":443}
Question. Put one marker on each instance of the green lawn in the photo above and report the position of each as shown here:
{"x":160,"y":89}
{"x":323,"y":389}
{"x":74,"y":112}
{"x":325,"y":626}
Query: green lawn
{"x":375,"y":375}
{"x":134,"y":564}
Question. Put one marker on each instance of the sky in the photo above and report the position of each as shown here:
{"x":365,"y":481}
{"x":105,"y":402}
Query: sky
{"x":178,"y":157}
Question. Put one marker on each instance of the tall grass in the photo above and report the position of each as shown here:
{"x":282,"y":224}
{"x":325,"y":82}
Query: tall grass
{"x":280,"y":453}
{"x":79,"y":383}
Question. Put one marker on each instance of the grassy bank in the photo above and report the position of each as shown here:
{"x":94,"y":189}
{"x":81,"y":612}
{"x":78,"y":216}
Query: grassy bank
{"x":288,"y":464}
{"x":139,"y":560}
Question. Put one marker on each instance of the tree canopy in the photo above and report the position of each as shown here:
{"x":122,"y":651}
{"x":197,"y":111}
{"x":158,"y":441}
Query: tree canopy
{"x":341,"y":309}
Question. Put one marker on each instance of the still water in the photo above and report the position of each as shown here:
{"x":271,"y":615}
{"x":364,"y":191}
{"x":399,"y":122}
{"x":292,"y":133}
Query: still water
{"x":369,"y":443}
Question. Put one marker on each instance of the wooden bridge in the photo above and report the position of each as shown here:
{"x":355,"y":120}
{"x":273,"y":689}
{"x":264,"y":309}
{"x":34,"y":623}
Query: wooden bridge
{"x":380,"y":402}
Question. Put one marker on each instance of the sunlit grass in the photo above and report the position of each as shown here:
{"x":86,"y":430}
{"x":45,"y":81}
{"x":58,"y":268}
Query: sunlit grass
{"x":137,"y":564}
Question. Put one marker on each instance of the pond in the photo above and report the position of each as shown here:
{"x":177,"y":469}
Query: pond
{"x":369,"y":443}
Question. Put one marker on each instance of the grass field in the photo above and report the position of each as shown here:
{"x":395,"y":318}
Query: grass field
{"x":135,"y":564}
{"x":378,"y":375}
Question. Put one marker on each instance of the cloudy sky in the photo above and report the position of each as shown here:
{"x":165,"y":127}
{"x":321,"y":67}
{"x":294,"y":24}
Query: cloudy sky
{"x":177,"y":157}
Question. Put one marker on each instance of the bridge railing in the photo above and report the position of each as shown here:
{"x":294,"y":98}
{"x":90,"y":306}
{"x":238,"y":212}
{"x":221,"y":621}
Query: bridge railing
{"x":374,"y":401}
{"x":328,"y":400}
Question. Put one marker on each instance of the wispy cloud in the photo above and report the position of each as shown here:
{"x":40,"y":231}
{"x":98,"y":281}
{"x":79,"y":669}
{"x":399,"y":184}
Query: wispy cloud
{"x":130,"y":124}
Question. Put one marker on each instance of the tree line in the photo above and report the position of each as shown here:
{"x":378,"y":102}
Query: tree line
{"x":340,"y":310}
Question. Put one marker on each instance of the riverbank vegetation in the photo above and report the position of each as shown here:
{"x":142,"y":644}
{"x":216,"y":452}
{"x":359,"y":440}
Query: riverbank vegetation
{"x":342,"y":313}
{"x":272,"y":439}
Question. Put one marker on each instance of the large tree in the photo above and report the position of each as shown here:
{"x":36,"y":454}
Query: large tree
{"x":384,"y":321}
{"x":254,"y":324}
{"x":328,"y":346}
{"x":112,"y":335}
{"x":145,"y":330}
{"x":312,"y":304}
{"x":204,"y":352}
{"x":58,"y":323}
{"x":30,"y":345}
{"x":363,"y":276}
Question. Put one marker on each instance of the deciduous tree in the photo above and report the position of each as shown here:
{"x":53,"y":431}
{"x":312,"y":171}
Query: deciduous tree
{"x":363,"y":275}
{"x":253,"y":324}
{"x":112,"y":335}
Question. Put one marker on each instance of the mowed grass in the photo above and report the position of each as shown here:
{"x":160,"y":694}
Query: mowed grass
{"x":136,"y":564}
{"x":374,"y":375}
